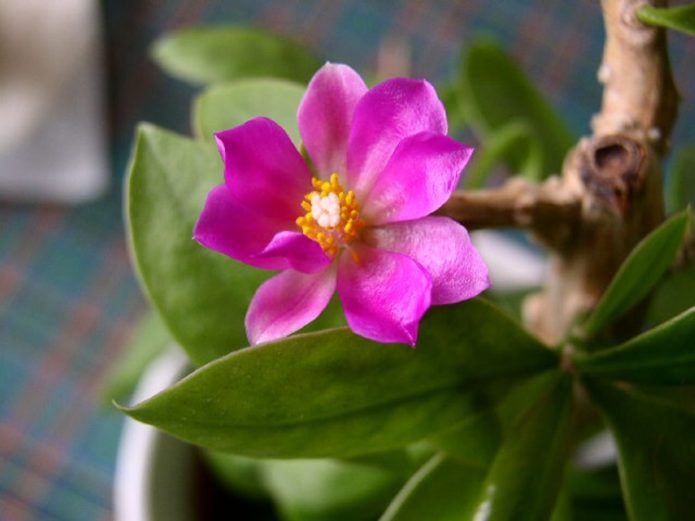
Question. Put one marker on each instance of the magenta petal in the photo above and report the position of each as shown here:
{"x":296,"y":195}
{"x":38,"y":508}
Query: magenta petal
{"x":286,"y":303}
{"x":264,"y":169}
{"x":384,"y":294}
{"x":325,"y":115}
{"x":418,"y":179}
{"x":302,"y":253}
{"x":386,"y":115}
{"x":233,"y":229}
{"x":445,"y":250}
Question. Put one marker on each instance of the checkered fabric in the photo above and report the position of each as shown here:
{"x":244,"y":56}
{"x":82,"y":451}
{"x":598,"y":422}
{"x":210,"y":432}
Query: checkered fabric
{"x":68,"y":298}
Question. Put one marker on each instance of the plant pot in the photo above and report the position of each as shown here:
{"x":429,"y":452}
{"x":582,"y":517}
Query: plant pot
{"x":160,"y":478}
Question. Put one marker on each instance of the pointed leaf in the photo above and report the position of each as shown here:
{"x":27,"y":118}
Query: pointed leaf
{"x":525,"y":477}
{"x":227,"y":105}
{"x":656,"y":451}
{"x":681,"y":18}
{"x":645,"y":265}
{"x":201,"y":295}
{"x":443,"y":489}
{"x":495,"y":91}
{"x":334,"y":394}
{"x":664,"y":355}
{"x":223,"y":53}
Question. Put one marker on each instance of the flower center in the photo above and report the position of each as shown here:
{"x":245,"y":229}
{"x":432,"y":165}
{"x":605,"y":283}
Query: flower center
{"x":332,"y":215}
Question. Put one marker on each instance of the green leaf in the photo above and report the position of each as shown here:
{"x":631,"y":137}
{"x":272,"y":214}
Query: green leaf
{"x":673,"y":296}
{"x":223,"y":53}
{"x":656,"y":453}
{"x":230,"y":104}
{"x":494,"y":91}
{"x":443,"y":489}
{"x":327,"y":489}
{"x":681,"y":18}
{"x":242,"y":475}
{"x":681,"y":180}
{"x":335,"y":394}
{"x":475,"y":441}
{"x":525,"y":477}
{"x":510,"y":138}
{"x":637,"y":276}
{"x":149,"y":340}
{"x":201,"y":295}
{"x":664,"y":355}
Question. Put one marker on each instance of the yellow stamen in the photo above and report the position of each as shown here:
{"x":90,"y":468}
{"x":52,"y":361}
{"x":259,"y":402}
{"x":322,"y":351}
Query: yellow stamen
{"x":331,"y":220}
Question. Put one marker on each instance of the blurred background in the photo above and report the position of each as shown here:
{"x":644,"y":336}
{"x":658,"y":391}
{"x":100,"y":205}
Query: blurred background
{"x":74,"y":82}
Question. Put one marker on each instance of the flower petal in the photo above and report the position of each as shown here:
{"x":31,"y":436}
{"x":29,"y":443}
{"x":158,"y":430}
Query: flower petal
{"x":384,"y":294}
{"x":233,"y":229}
{"x":418,"y":179}
{"x":387,"y":114}
{"x":288,"y":302}
{"x":302,"y":253}
{"x":263,"y":169}
{"x":325,"y":115}
{"x":444,"y":248}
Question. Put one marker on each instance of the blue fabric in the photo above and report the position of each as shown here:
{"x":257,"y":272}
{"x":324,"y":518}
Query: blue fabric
{"x":68,"y":298}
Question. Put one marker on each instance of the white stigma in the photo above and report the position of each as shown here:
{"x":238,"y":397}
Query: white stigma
{"x":326,"y":210}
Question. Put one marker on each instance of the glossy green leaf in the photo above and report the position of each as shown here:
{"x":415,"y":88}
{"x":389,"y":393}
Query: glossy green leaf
{"x":681,"y":180}
{"x":327,"y":489}
{"x":149,"y":340}
{"x":494,"y":91}
{"x":201,"y":295}
{"x":335,"y":394}
{"x":637,"y":276}
{"x":443,"y":489}
{"x":227,"y":105}
{"x":664,"y":355}
{"x":525,"y":477}
{"x":656,"y":451}
{"x":681,"y":17}
{"x":223,"y":53}
{"x":510,"y":138}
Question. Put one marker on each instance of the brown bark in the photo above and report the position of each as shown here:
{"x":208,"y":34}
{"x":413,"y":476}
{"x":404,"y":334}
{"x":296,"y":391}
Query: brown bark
{"x":609,"y":195}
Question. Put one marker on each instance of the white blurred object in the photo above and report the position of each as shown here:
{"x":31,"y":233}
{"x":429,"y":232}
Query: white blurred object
{"x":512,"y":265}
{"x":52,"y":136}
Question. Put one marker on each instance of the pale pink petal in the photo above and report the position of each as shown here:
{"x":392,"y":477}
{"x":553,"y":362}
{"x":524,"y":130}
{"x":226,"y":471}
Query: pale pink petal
{"x":288,"y":302}
{"x":264,"y":169}
{"x":228,"y":226}
{"x":384,"y":294}
{"x":302,"y":253}
{"x":418,"y":179}
{"x":325,"y":115}
{"x":445,"y":250}
{"x":386,"y":115}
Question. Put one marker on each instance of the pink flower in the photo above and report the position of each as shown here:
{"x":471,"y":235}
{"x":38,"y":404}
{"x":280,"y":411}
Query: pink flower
{"x":382,"y":163}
